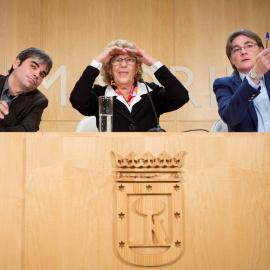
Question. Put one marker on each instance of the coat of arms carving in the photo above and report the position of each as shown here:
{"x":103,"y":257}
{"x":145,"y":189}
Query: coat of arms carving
{"x":149,"y":208}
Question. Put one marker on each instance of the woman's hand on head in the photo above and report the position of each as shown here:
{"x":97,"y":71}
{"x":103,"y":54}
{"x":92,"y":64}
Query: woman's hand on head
{"x":146,"y":58}
{"x":106,"y":55}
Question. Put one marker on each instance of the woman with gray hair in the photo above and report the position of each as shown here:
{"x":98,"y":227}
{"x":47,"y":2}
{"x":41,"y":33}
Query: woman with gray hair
{"x":120,"y":65}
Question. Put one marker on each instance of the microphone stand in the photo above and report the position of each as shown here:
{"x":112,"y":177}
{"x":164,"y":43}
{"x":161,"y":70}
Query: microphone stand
{"x":158,"y":128}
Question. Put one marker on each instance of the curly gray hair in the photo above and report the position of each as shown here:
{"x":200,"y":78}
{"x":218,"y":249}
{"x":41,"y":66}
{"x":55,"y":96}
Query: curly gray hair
{"x":106,"y":68}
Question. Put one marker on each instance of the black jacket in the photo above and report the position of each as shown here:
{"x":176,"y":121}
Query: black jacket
{"x":172,"y":96}
{"x":24,"y":112}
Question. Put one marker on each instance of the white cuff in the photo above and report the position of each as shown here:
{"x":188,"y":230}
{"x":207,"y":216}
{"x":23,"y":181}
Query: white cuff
{"x":96,"y":64}
{"x":156,"y":66}
{"x":251,"y":83}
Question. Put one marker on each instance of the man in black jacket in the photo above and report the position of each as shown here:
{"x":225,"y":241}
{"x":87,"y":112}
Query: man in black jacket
{"x":21,"y":103}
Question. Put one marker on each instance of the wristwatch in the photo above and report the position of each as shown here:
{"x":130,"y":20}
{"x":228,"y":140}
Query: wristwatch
{"x":253,"y":74}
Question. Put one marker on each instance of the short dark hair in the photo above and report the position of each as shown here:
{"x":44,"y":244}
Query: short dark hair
{"x":241,"y":32}
{"x":34,"y":53}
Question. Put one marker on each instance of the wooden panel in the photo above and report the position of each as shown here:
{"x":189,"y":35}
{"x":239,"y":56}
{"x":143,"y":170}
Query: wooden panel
{"x":194,"y":125}
{"x":21,"y":28}
{"x":169,"y":125}
{"x":201,"y":31}
{"x":99,"y":23}
{"x":11,"y":201}
{"x":8,"y":39}
{"x":183,"y":33}
{"x":29,"y":26}
{"x":69,"y":224}
{"x":58,"y":212}
{"x":59,"y":126}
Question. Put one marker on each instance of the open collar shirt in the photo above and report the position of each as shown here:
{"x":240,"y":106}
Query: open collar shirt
{"x":6,"y":94}
{"x":141,"y":86}
{"x":261,"y":104}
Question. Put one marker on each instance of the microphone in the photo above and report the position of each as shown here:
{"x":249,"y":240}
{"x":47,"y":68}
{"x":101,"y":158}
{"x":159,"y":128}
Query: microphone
{"x":158,"y":128}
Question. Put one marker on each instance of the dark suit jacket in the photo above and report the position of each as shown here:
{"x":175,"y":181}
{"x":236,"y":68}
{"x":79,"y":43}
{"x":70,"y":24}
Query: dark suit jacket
{"x":235,"y":102}
{"x":172,"y":96}
{"x":24,"y":112}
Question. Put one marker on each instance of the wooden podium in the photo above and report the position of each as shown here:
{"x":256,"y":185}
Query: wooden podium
{"x":135,"y":201}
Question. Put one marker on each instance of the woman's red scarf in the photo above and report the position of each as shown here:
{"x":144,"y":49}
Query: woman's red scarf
{"x":133,"y":90}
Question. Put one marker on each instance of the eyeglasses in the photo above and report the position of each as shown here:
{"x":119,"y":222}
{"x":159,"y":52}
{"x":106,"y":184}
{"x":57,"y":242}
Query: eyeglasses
{"x":248,"y":47}
{"x":118,"y":61}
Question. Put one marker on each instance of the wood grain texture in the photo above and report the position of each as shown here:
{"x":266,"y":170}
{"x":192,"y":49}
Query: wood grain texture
{"x":182,"y":33}
{"x":58,"y":209}
{"x":58,"y":126}
{"x":201,"y":32}
{"x":79,"y":32}
{"x":11,"y":201}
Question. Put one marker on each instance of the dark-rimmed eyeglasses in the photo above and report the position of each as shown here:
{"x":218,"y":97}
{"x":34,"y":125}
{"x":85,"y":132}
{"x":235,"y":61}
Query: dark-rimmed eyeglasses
{"x":118,"y":61}
{"x":248,"y":47}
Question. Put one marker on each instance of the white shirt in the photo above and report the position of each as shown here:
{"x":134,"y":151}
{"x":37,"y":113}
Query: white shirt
{"x":261,"y":104}
{"x":140,"y":86}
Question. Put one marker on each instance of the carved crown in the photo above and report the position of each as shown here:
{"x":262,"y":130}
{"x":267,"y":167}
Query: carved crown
{"x":148,"y":167}
{"x":148,"y":160}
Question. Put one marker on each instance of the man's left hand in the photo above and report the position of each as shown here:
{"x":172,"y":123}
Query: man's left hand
{"x":3,"y":109}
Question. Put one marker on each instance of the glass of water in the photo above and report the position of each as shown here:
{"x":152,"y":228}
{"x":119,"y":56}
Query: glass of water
{"x":105,"y":105}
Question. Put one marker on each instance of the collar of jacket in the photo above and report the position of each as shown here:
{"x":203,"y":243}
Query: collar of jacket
{"x":141,"y":91}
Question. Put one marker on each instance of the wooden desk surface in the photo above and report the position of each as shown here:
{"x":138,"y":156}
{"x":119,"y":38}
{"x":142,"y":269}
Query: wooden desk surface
{"x":58,"y":205}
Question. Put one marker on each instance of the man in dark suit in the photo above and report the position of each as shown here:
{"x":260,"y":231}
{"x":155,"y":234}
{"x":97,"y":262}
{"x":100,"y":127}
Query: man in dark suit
{"x":21,"y":103}
{"x":243,"y":98}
